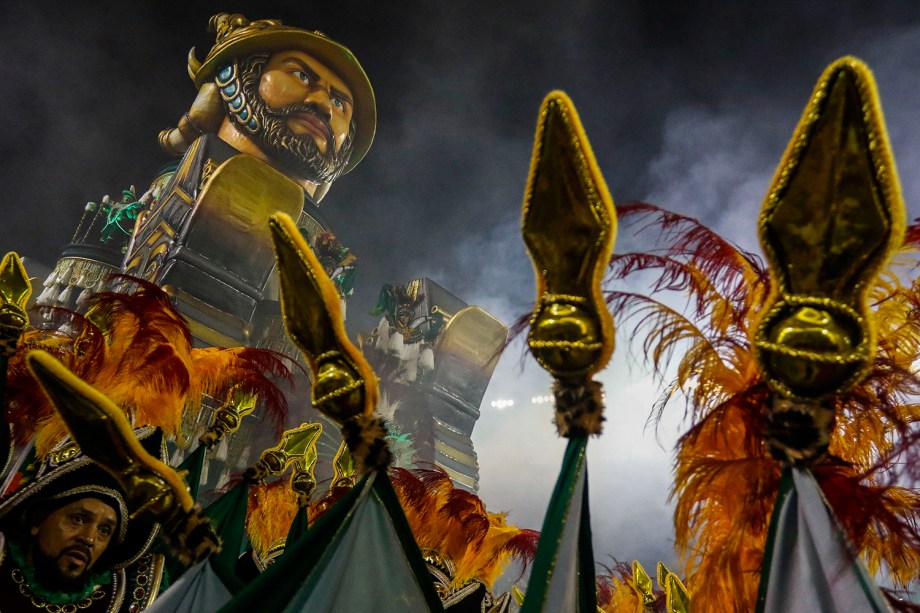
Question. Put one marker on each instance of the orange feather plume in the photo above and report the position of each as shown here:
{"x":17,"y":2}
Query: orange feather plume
{"x":617,"y":592}
{"x":137,"y":350}
{"x":270,"y":511}
{"x":454,"y":523}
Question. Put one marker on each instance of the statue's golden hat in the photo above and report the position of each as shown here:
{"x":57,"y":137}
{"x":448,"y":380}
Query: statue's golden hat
{"x":238,"y":37}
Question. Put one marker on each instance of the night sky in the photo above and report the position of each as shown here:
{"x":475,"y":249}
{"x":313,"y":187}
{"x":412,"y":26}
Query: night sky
{"x":687,"y":105}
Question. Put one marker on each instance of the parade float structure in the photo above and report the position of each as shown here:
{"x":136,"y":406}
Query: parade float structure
{"x":198,"y":232}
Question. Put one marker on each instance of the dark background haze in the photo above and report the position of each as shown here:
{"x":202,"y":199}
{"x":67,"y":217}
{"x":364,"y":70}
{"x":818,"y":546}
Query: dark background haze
{"x":687,"y":104}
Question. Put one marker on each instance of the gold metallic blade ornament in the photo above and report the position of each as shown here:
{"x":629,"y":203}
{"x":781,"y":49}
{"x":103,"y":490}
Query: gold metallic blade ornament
{"x":295,"y":444}
{"x":105,"y":436}
{"x":661,"y":575}
{"x":830,"y":221}
{"x":677,"y":598}
{"x":642,"y":584}
{"x":518,"y":595}
{"x":229,"y":417}
{"x":303,"y":478}
{"x":344,"y":468}
{"x":15,"y":290}
{"x":569,"y":226}
{"x":344,"y":385}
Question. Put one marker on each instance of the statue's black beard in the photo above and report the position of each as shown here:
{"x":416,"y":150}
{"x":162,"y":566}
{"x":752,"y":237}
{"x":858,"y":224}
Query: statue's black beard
{"x":298,"y":155}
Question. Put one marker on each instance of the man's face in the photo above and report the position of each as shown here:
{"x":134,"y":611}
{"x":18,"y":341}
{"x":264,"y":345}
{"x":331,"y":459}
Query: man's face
{"x":294,"y":78}
{"x":68,"y":542}
{"x":304,"y":112}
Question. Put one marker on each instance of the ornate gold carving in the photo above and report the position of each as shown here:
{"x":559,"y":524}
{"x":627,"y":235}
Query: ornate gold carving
{"x":206,"y":171}
{"x":296,"y":444}
{"x":64,"y":454}
{"x":15,"y":290}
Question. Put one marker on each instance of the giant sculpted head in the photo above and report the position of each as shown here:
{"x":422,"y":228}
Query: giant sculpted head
{"x":294,"y":98}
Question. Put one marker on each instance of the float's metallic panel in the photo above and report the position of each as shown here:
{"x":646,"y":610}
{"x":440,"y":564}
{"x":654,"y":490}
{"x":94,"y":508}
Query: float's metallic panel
{"x":466,"y":353}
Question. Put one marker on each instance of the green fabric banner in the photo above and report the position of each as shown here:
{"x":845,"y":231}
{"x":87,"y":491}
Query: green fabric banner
{"x":360,"y":556}
{"x":562,"y":579}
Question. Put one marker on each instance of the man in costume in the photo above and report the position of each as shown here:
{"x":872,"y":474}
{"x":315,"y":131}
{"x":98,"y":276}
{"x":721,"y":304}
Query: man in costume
{"x":67,"y":538}
{"x":68,"y":534}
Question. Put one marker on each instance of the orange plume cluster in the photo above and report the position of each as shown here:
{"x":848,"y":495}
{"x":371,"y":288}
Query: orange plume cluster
{"x":454,"y":524}
{"x":725,"y":480}
{"x":449,"y":522}
{"x":616,"y":591}
{"x":137,"y":350}
{"x":270,"y":511}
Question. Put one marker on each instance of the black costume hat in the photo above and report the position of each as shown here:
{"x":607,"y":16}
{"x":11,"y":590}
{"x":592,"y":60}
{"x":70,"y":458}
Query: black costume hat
{"x":66,"y":473}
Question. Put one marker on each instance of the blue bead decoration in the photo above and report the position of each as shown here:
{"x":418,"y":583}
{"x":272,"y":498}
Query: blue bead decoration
{"x":244,"y":114}
{"x":236,"y":103}
{"x":230,"y":90}
{"x":225,"y":73}
{"x":253,"y":124}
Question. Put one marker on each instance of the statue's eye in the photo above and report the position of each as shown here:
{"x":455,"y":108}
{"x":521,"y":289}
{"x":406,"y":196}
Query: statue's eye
{"x":338,"y":103}
{"x":304,"y":77}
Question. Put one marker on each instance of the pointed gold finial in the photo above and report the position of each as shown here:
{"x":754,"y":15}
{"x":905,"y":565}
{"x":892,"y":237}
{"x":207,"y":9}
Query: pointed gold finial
{"x":343,"y":466}
{"x":677,"y":598}
{"x":303,"y":478}
{"x":229,"y":416}
{"x":15,"y":287}
{"x":569,"y":226}
{"x":830,"y":221}
{"x":643,"y":584}
{"x":15,"y":290}
{"x":344,"y":386}
{"x":296,"y":444}
{"x":661,"y":574}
